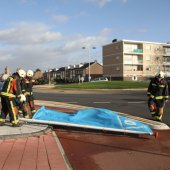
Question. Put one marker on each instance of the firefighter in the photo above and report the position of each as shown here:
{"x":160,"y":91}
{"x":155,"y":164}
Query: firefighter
{"x":10,"y":91}
{"x":28,"y":91}
{"x":158,"y":96}
{"x":3,"y":78}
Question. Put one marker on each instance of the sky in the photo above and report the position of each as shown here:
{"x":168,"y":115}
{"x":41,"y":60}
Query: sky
{"x":49,"y":34}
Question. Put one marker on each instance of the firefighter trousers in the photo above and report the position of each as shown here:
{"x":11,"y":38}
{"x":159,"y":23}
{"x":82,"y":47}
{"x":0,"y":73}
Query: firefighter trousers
{"x":9,"y":107}
{"x":156,"y":108}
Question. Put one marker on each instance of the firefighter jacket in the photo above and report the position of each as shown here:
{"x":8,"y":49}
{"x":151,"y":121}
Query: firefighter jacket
{"x":11,"y":87}
{"x":158,"y":89}
{"x":26,"y":86}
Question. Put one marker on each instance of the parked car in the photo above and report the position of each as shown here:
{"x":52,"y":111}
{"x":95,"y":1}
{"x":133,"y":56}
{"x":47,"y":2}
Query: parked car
{"x":100,"y":79}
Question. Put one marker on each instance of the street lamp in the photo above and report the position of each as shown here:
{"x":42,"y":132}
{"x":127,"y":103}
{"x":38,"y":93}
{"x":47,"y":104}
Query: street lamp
{"x":89,"y":49}
{"x":49,"y":77}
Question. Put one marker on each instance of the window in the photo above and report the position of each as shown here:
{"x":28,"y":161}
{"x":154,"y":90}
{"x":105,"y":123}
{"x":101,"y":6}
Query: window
{"x":117,"y":57}
{"x":117,"y":68}
{"x":148,"y":68}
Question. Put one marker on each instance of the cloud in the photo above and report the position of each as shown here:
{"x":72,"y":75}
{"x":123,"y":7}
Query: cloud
{"x":28,"y":33}
{"x":35,"y":45}
{"x":101,"y":3}
{"x":60,"y":18}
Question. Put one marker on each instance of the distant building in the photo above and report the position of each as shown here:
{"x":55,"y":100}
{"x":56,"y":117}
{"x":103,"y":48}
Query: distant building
{"x":135,"y":60}
{"x":75,"y":73}
{"x":7,"y":70}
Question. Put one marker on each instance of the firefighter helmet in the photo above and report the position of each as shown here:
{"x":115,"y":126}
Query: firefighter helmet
{"x":21,"y":73}
{"x":160,"y":74}
{"x":30,"y":73}
{"x":4,"y":77}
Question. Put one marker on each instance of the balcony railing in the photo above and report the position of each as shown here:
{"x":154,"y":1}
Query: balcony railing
{"x":133,"y":72}
{"x":139,"y":51}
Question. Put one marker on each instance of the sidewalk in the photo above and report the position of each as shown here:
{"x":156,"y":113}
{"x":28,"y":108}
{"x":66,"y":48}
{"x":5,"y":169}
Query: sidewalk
{"x":31,"y":147}
{"x":35,"y":146}
{"x":31,"y":153}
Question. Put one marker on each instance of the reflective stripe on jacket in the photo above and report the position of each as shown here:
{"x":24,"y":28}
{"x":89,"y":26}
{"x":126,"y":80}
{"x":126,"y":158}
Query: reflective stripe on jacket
{"x":158,"y":89}
{"x":11,"y":87}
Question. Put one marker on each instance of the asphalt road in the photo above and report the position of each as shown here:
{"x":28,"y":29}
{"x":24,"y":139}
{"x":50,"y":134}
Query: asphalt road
{"x":126,"y":101}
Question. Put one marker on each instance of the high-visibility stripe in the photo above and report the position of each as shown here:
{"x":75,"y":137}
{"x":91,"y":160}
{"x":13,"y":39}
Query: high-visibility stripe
{"x":7,"y":94}
{"x":161,"y":85}
{"x":153,"y":84}
{"x":2,"y":120}
{"x":33,"y":111}
{"x":15,"y":121}
{"x":9,"y":84}
{"x":28,"y":93}
{"x":159,"y":97}
{"x":166,"y":97}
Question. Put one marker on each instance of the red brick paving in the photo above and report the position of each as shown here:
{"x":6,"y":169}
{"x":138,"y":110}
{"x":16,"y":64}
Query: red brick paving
{"x":115,"y":152}
{"x":31,"y":153}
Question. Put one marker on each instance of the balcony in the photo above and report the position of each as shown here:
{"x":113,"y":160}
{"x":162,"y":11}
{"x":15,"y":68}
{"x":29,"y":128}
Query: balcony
{"x":166,"y":53}
{"x":134,"y":51}
{"x":166,"y":63}
{"x":129,"y":72}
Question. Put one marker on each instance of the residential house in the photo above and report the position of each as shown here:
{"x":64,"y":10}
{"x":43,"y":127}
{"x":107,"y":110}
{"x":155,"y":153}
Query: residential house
{"x":75,"y":73}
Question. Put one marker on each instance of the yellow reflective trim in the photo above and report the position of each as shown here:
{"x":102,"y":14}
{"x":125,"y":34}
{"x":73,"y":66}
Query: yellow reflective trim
{"x":33,"y":111}
{"x":9,"y":84}
{"x":13,"y":111}
{"x":166,"y":97}
{"x":159,"y":97}
{"x":28,"y":93}
{"x":161,"y":85}
{"x":7,"y":94}
{"x":2,"y":120}
{"x":154,"y":84}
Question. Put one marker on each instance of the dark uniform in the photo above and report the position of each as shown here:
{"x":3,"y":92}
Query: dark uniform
{"x":158,"y":96}
{"x":27,"y":86}
{"x":22,"y":106}
{"x":10,"y":91}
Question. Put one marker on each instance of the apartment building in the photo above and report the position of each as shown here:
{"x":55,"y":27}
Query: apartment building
{"x":135,"y":60}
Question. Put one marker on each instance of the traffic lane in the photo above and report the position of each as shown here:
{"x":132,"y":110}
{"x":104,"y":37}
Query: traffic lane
{"x":111,"y":151}
{"x":130,"y":102}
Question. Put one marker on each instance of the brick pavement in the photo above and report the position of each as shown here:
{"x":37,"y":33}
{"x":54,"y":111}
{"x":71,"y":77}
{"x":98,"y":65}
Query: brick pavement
{"x":31,"y":153}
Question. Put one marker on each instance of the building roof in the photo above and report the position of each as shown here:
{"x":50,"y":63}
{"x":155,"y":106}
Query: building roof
{"x":134,"y":41}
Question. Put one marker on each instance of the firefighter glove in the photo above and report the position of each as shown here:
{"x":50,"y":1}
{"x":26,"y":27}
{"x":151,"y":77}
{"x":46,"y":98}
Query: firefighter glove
{"x":22,"y":98}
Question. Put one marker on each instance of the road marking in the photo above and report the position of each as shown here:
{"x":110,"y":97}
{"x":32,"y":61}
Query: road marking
{"x":101,"y":102}
{"x":138,"y":102}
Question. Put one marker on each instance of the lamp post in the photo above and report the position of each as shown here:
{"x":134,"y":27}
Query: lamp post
{"x":89,"y":55}
{"x":49,"y":77}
